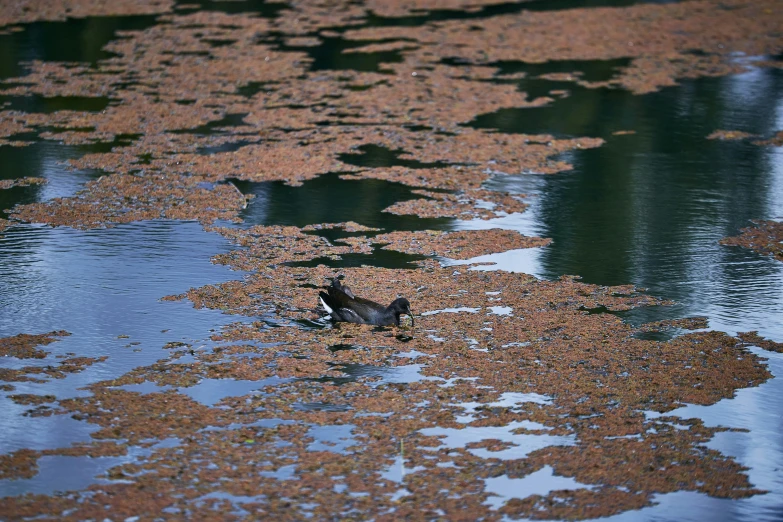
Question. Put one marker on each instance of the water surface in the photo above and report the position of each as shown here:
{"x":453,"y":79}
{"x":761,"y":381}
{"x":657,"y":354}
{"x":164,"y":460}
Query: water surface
{"x":646,"y":208}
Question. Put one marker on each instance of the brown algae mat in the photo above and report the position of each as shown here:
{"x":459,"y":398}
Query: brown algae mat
{"x":660,"y":38}
{"x":37,"y":10}
{"x":469,"y":204}
{"x":26,"y":346}
{"x":765,"y":237}
{"x":21,"y":182}
{"x":776,"y":140}
{"x":170,"y":79}
{"x":552,"y":384}
{"x":523,"y":361}
{"x":503,"y":375}
{"x":463,"y":244}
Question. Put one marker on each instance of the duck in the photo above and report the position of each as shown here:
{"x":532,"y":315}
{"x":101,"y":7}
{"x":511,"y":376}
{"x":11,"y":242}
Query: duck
{"x":342,"y":305}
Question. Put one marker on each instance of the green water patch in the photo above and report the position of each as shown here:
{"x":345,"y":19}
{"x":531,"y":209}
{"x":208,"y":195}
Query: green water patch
{"x":585,"y":112}
{"x":334,"y":52}
{"x":263,"y":9}
{"x":650,"y":205}
{"x":224,"y":147}
{"x":376,"y":156}
{"x":588,"y":70}
{"x":663,"y":197}
{"x":661,"y":337}
{"x":439,"y":15}
{"x":599,"y":310}
{"x":330,"y":55}
{"x":250,"y":89}
{"x":46,"y":159}
{"x":222,"y":127}
{"x":379,"y":258}
{"x":214,"y":127}
{"x":18,"y":195}
{"x":35,"y":103}
{"x":342,"y":347}
{"x":329,"y":199}
{"x":691,"y":112}
{"x":73,"y":40}
{"x":536,"y":84}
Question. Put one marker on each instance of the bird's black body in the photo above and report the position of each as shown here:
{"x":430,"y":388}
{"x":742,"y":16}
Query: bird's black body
{"x":342,"y":305}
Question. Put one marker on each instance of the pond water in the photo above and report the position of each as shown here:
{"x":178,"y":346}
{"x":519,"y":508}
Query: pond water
{"x":646,"y":208}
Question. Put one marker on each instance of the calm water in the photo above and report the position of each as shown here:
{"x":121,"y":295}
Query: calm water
{"x":646,"y":208}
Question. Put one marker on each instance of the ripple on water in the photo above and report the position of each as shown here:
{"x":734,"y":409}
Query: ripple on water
{"x":104,"y":286}
{"x":38,"y":433}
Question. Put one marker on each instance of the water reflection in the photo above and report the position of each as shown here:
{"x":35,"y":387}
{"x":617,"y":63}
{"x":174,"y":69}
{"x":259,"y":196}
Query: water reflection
{"x":43,"y":160}
{"x":103,"y":282}
{"x":74,"y":40}
{"x":646,"y":208}
{"x":97,"y":285}
{"x":329,"y":199}
{"x":759,"y":448}
{"x":59,"y":473}
{"x":649,"y":208}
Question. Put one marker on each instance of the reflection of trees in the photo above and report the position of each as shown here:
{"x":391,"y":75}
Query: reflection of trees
{"x":75,"y":40}
{"x":20,"y":162}
{"x":39,"y":160}
{"x":327,"y":199}
{"x":80,"y":40}
{"x":649,"y":208}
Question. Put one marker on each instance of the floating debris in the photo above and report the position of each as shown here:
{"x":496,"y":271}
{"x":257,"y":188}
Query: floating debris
{"x":283,"y":415}
{"x":349,"y":226}
{"x":687,"y":323}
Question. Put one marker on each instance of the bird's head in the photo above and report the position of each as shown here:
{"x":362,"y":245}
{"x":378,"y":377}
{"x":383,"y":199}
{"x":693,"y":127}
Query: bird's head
{"x":401,"y":306}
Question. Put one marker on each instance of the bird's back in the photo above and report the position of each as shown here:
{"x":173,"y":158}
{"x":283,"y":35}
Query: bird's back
{"x":343,"y":305}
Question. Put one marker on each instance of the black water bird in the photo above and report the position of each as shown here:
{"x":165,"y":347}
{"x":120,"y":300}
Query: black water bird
{"x":342,"y":305}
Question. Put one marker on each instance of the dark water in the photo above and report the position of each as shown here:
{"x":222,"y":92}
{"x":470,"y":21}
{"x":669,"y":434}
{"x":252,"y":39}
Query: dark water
{"x":74,"y":40}
{"x":646,"y":208}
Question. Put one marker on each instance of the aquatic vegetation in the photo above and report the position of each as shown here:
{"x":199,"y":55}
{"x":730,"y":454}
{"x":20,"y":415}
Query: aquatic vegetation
{"x":22,"y":182}
{"x":464,"y":244}
{"x":284,"y":415}
{"x":469,"y":204}
{"x":24,"y":346}
{"x":776,"y":140}
{"x":766,"y":238}
{"x":732,"y":135}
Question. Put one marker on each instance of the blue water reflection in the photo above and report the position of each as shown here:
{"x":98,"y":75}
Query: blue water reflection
{"x":104,"y":287}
